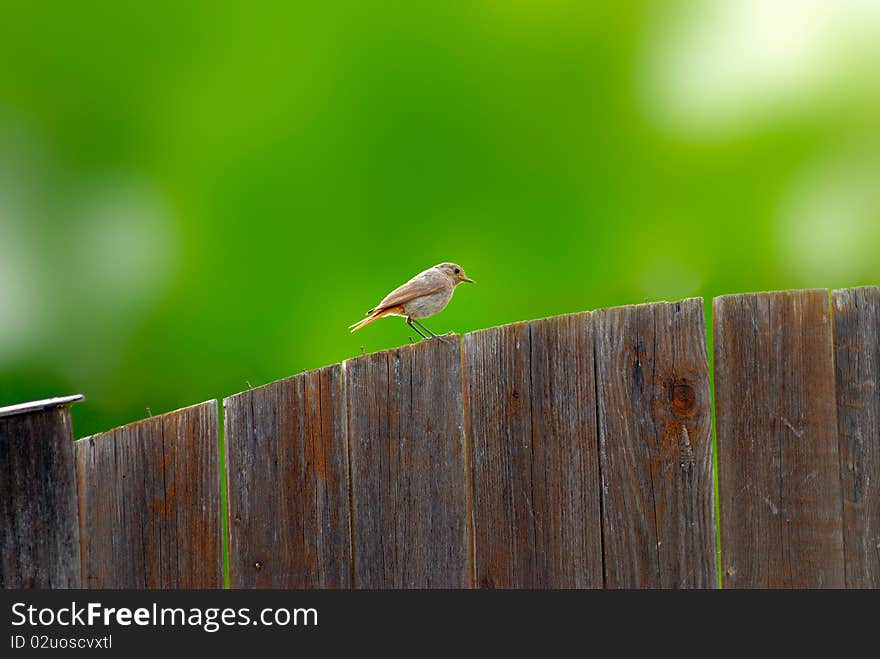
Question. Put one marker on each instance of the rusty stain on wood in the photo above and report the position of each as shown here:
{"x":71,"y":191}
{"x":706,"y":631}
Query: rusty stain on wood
{"x":652,"y":388}
{"x":857,"y":366}
{"x":776,"y":423}
{"x":39,"y":531}
{"x":406,"y":441}
{"x":287,"y":476}
{"x":149,"y":503}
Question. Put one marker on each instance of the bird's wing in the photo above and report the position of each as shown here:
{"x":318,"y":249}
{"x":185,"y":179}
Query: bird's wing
{"x":424,"y":283}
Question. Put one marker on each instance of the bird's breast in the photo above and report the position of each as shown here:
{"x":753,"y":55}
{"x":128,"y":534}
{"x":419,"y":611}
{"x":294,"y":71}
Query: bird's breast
{"x":428,"y":305}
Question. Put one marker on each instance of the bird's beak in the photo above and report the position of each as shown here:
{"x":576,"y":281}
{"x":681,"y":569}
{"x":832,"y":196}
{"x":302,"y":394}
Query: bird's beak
{"x":469,"y":280}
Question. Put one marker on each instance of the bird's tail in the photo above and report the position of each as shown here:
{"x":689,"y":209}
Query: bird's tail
{"x":374,"y":316}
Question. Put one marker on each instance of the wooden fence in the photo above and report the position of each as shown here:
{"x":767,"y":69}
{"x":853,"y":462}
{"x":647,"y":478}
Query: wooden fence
{"x":573,"y":451}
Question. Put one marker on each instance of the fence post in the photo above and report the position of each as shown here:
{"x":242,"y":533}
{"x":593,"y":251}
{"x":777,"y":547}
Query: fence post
{"x":857,"y":368}
{"x":287,"y":484}
{"x":408,"y":472}
{"x":149,"y":502}
{"x":655,"y":444}
{"x":531,"y":425}
{"x":778,"y":466}
{"x":39,"y":528}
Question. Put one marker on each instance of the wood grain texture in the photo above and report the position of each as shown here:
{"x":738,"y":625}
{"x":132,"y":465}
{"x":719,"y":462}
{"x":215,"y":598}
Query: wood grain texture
{"x":531,"y":426}
{"x":779,"y":479}
{"x":149,"y":503}
{"x":408,"y":483}
{"x":857,"y":365}
{"x":39,"y":529}
{"x":288,"y":498}
{"x":655,"y":438}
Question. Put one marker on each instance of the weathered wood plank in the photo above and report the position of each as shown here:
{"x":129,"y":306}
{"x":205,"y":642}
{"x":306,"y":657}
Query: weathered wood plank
{"x":39,"y":529}
{"x":857,"y":361}
{"x":531,"y":426}
{"x":655,"y":438}
{"x":499,"y":426}
{"x":149,"y":503}
{"x":408,"y":483}
{"x":287,"y":470}
{"x":779,"y":479}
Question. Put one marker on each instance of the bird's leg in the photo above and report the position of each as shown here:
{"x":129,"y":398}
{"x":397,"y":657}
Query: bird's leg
{"x":429,"y":331}
{"x":409,"y":321}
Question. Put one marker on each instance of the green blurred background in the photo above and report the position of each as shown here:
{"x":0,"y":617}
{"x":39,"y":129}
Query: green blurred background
{"x":192,"y":196}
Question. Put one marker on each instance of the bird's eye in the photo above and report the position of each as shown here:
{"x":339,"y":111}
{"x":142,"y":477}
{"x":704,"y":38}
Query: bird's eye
{"x":457,"y":270}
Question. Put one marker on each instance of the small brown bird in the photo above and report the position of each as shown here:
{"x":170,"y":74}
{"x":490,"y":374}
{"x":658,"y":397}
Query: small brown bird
{"x":424,"y":295}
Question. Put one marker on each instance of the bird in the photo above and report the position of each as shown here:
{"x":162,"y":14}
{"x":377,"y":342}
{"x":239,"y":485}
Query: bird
{"x":424,"y":295}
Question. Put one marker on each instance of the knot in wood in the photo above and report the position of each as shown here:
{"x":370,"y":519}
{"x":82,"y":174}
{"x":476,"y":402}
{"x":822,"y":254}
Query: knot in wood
{"x":684,"y":397}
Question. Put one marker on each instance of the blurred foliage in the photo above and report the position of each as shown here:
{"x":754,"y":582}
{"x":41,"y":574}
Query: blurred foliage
{"x":195,"y":195}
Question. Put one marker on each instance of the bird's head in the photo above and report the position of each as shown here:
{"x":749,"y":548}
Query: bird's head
{"x":454,"y":272}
